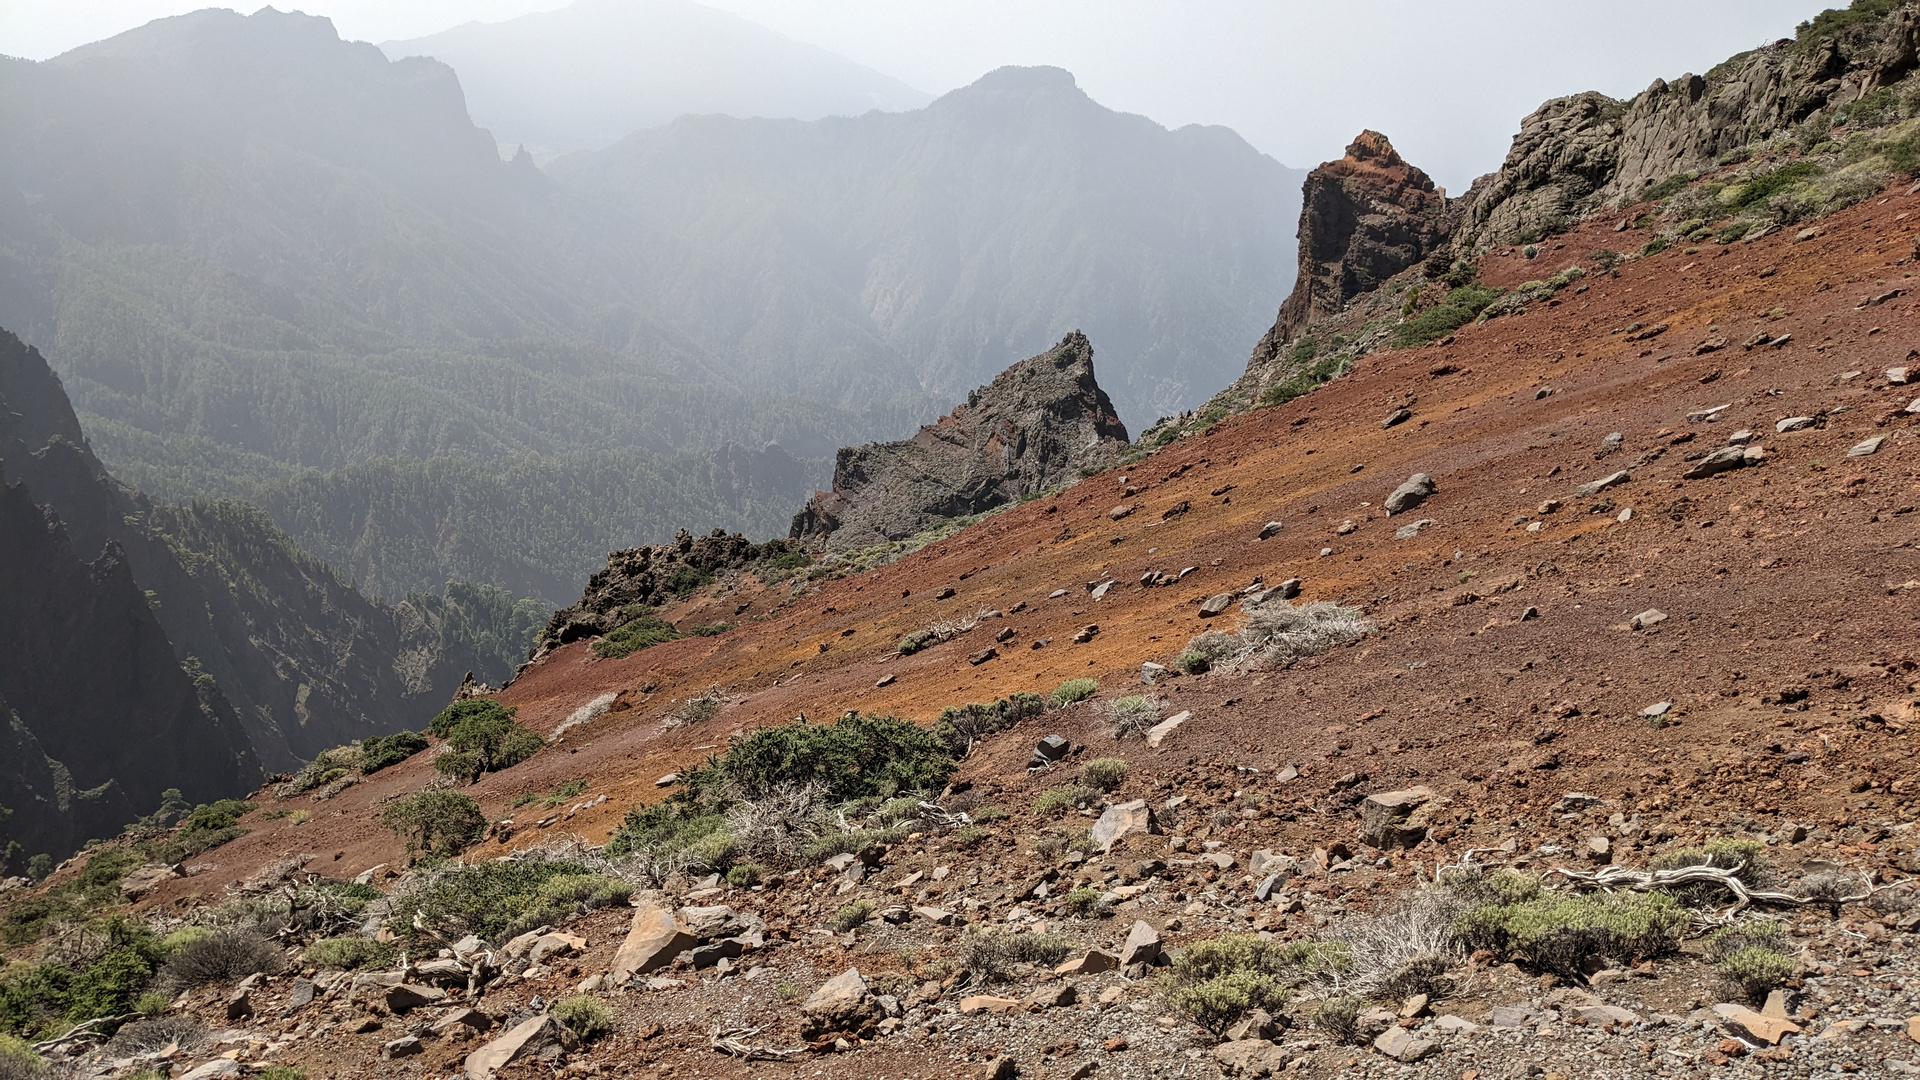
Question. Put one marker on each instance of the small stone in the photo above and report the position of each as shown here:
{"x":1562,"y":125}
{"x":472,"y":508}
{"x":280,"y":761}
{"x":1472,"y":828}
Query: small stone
{"x":1251,"y":1058}
{"x":1897,"y":376}
{"x":1101,"y":590}
{"x":1658,"y":708}
{"x":1776,"y":1006}
{"x":1269,"y":530}
{"x":1409,"y":531}
{"x":1000,"y":1068}
{"x":240,"y":1004}
{"x":1122,"y":820}
{"x":1215,"y":605}
{"x":1413,"y":1007}
{"x":984,"y":655}
{"x":217,"y":1069}
{"x":1410,"y":494}
{"x":1387,"y":818}
{"x":1257,"y":1024}
{"x":1150,"y":672}
{"x":1401,"y":1045}
{"x":1595,"y":487}
{"x":524,"y":1040}
{"x":1120,"y":511}
{"x":1625,"y":516}
{"x":1456,"y":1025}
{"x":1740,"y":438}
{"x":1056,"y":594}
{"x":404,"y":1046}
{"x":673,"y":778}
{"x":842,"y":1004}
{"x":1867,"y":447}
{"x":1092,"y":962}
{"x":1397,"y":416}
{"x":1159,"y":732}
{"x":409,"y":996}
{"x":1745,"y":1022}
{"x":1649,"y":617}
{"x":1142,"y":946}
{"x":934,"y":915}
{"x":1054,"y":996}
{"x":1793,"y":423}
{"x":1607,"y":1014}
{"x":988,"y":1003}
{"x":1086,"y":633}
{"x":885,"y":680}
{"x":1049,"y":750}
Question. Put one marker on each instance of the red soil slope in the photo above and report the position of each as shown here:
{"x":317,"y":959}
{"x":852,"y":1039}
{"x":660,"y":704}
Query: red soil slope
{"x":1794,"y":577}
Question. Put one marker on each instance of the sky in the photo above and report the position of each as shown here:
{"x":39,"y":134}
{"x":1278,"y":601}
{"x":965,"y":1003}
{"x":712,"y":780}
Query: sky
{"x":1448,"y":82}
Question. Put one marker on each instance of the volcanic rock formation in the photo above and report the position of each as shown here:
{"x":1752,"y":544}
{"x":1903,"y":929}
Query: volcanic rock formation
{"x":1036,"y":425}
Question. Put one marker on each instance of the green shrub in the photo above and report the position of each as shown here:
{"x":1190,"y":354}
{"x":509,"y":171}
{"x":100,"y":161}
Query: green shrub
{"x":1131,"y":715}
{"x":828,"y":844}
{"x":1105,"y":773}
{"x":208,"y":826}
{"x":852,"y":915}
{"x":1220,"y":1002}
{"x":327,"y":767}
{"x":1305,"y":380}
{"x":283,"y":1072}
{"x":1756,"y":870}
{"x":43,"y":999}
{"x":482,"y":737}
{"x":488,"y":899}
{"x":1206,"y":651}
{"x":642,"y":630}
{"x":379,"y":751}
{"x":988,"y":813}
{"x":745,"y":875}
{"x":350,"y":954}
{"x":993,"y":955}
{"x":1338,"y":1017}
{"x":550,"y":799}
{"x":435,"y":823}
{"x":857,"y":755}
{"x":1083,"y":901}
{"x":685,"y":579}
{"x":564,"y":896}
{"x":1654,"y":246}
{"x":1073,"y":690}
{"x":678,"y":833}
{"x":1728,"y":940}
{"x":224,"y":956}
{"x":587,"y":1016}
{"x":1672,"y":185}
{"x":960,"y":725}
{"x":1462,"y":306}
{"x":1559,"y":933}
{"x":1062,"y":799}
{"x":19,"y":1062}
{"x":915,"y":640}
{"x":1755,"y":971}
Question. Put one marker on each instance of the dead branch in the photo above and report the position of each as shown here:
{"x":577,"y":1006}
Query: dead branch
{"x":734,"y":1043}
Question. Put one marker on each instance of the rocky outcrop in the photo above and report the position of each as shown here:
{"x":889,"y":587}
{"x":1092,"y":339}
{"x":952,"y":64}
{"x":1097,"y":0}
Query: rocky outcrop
{"x":1036,"y":425}
{"x":652,"y":575}
{"x":1363,"y":219}
{"x":1589,"y":153}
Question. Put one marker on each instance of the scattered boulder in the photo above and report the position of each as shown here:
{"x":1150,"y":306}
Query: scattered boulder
{"x":404,"y":1046}
{"x":1607,"y":1014}
{"x":1142,"y":946}
{"x":1270,"y":530}
{"x":1595,"y":487}
{"x":1251,"y":1058}
{"x":1410,"y":494}
{"x":1748,"y":1024}
{"x":1721,"y":460}
{"x":1122,"y":820}
{"x":1867,"y":448}
{"x":1392,"y":819}
{"x":1092,"y":962}
{"x":842,"y":1005}
{"x":1794,"y":423}
{"x":1216,"y":604}
{"x":217,"y":1069}
{"x":1049,"y":750}
{"x":535,"y":1037}
{"x":407,"y":997}
{"x":1648,"y":618}
{"x":1159,"y":732}
{"x":1403,"y":1046}
{"x":655,"y":938}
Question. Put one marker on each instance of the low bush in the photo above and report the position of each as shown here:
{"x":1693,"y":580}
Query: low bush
{"x":1748,"y":858}
{"x":960,"y":726}
{"x":1217,"y":982}
{"x":206,"y":827}
{"x":1083,"y":902}
{"x":1338,"y":1017}
{"x":858,"y":755}
{"x":1752,"y":958}
{"x":697,"y":709}
{"x":489,"y":899}
{"x":1461,"y":306}
{"x":439,"y":824}
{"x":672,"y":836}
{"x":745,"y":875}
{"x":1105,"y":773}
{"x":19,"y":1062}
{"x":585,"y":1015}
{"x":1057,"y":800}
{"x":1206,"y":651}
{"x":327,"y":767}
{"x":380,"y":751}
{"x":349,"y":954}
{"x":1280,"y":633}
{"x":1560,"y":933}
{"x":1306,"y":380}
{"x":993,"y":956}
{"x":1131,"y":715}
{"x":157,"y":1033}
{"x":548,"y":800}
{"x":1071,"y":691}
{"x":225,"y":956}
{"x":843,"y":841}
{"x":852,"y":915}
{"x":114,"y":965}
{"x":642,"y":630}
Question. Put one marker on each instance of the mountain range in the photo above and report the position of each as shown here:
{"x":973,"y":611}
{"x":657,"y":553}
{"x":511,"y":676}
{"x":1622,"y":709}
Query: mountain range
{"x":589,"y":74}
{"x":276,"y":265}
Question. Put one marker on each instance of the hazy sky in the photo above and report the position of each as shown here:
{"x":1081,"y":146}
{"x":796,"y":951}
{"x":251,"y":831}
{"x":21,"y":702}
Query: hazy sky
{"x":1448,"y":82}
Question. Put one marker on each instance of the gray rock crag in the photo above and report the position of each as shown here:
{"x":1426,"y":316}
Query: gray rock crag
{"x":1036,"y":425}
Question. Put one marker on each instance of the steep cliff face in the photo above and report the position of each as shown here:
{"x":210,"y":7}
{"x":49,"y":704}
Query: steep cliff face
{"x":1037,"y":424}
{"x":99,"y":717}
{"x":306,"y":660}
{"x":1587,"y":153}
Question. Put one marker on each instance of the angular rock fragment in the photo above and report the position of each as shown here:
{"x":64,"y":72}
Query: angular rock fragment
{"x":1216,"y":605}
{"x":842,"y":1005}
{"x":653,"y":941}
{"x":524,"y":1040}
{"x":1122,"y":820}
{"x":1142,"y":946}
{"x":1410,"y":494}
{"x":1391,"y":819}
{"x":1595,"y":487}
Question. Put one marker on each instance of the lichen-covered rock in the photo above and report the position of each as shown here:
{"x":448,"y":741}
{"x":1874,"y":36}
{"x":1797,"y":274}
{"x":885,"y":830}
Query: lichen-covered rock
{"x":1036,"y":425}
{"x":842,"y":1006}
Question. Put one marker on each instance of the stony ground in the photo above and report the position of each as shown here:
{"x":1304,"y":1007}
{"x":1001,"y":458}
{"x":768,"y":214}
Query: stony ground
{"x":1516,"y":658}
